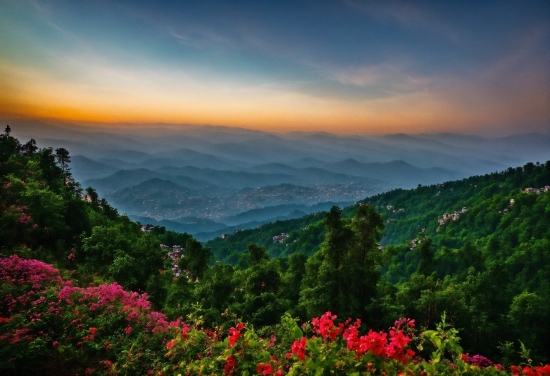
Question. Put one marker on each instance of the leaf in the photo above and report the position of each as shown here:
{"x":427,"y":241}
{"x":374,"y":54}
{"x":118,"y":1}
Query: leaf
{"x":296,"y":332}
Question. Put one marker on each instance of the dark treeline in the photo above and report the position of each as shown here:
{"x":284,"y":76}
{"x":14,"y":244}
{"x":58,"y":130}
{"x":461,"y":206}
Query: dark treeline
{"x":487,"y":269}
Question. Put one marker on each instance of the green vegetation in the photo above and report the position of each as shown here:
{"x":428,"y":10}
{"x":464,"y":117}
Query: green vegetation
{"x":484,"y":268}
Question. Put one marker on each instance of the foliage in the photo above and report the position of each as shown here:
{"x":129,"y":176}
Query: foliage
{"x":485,"y":271}
{"x":49,"y":324}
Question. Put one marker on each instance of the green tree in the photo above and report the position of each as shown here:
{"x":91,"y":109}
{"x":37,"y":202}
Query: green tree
{"x":256,"y":254}
{"x":63,"y":158}
{"x":292,"y":279}
{"x":92,"y":195}
{"x":426,"y":252}
{"x":360,"y":270}
{"x":30,"y":147}
{"x":342,"y":276}
{"x":195,"y":259}
{"x":8,"y":145}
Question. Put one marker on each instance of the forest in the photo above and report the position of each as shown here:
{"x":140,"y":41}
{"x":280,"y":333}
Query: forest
{"x":450,"y":278}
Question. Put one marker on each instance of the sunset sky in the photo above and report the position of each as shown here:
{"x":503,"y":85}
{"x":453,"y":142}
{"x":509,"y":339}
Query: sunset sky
{"x":339,"y":66}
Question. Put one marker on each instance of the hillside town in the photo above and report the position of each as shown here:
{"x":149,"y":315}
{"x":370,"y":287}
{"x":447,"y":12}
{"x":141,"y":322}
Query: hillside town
{"x":450,"y":217}
{"x":280,"y":238}
{"x":174,"y":254}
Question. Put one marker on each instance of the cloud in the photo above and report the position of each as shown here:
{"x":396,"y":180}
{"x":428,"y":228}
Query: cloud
{"x":75,"y":80}
{"x":405,"y":14}
{"x":386,"y":78}
{"x":200,"y":37}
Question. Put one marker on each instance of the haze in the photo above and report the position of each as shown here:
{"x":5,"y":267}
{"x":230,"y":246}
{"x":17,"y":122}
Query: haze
{"x":208,"y":180}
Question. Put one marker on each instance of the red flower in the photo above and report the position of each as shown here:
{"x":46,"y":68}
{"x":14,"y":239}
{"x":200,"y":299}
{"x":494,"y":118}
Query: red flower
{"x":543,"y":370}
{"x":264,"y":368}
{"x":299,"y":348}
{"x":324,"y":326}
{"x":235,"y":334}
{"x":230,"y":364}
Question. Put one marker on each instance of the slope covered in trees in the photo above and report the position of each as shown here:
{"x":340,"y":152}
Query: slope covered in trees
{"x":407,"y":212}
{"x":489,"y":278}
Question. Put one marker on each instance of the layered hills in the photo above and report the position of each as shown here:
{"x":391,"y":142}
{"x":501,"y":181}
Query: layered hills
{"x":230,"y":171}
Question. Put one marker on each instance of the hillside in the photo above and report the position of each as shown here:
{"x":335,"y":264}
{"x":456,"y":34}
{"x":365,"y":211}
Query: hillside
{"x":485,"y":273}
{"x":472,"y":248}
{"x":407,"y":212}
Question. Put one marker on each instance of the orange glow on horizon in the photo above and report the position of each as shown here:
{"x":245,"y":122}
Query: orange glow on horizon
{"x":452,"y":106}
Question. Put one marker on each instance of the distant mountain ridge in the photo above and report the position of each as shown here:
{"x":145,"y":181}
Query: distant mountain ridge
{"x":210,"y":164}
{"x":485,"y":204}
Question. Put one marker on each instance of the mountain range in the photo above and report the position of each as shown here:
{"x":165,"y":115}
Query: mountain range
{"x":207,"y":179}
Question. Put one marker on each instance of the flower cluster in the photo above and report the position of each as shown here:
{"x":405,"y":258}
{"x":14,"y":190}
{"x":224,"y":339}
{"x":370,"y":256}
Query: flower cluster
{"x":105,"y":329}
{"x":235,"y":333}
{"x":230,"y":365}
{"x":298,"y":348}
{"x":531,"y":371}
{"x":88,"y":324}
{"x":25,"y":281}
{"x":479,"y":360}
{"x":324,"y":326}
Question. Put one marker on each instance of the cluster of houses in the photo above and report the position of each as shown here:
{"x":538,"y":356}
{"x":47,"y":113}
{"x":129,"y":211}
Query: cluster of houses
{"x":505,"y":210}
{"x":415,"y":243}
{"x":147,"y":228}
{"x":89,"y":199}
{"x":537,"y":190}
{"x":392,"y":208}
{"x":280,"y":238}
{"x":174,"y":253}
{"x":450,"y":217}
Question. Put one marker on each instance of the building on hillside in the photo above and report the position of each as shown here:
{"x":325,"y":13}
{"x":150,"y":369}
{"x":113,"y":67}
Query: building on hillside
{"x":147,"y":228}
{"x":280,"y":238}
{"x":174,"y":254}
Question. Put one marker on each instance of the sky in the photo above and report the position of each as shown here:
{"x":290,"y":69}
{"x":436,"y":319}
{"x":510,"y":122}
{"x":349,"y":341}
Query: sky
{"x":349,"y":67}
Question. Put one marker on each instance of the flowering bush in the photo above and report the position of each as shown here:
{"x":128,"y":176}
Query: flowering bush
{"x":48,"y":324}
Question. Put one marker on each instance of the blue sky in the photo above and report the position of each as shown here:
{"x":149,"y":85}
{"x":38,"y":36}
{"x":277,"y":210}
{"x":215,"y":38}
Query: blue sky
{"x":338,"y":66}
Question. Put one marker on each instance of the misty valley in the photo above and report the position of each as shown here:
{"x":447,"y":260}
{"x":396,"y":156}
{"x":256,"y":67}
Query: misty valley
{"x":208,"y":181}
